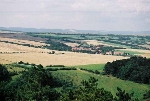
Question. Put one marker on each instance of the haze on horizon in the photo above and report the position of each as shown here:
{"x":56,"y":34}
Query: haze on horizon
{"x":109,"y":15}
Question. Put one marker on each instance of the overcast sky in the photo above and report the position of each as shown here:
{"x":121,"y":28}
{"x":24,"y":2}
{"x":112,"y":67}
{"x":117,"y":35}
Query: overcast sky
{"x":114,"y":15}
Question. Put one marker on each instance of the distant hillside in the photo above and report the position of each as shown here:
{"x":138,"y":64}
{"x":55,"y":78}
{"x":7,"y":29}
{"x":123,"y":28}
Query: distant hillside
{"x":72,"y":31}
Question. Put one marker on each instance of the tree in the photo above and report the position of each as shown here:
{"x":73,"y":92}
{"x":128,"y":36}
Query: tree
{"x":146,"y":95}
{"x":35,"y":84}
{"x":88,"y":92}
{"x":123,"y":96}
{"x":4,"y":74}
{"x":53,"y":52}
{"x":135,"y":69}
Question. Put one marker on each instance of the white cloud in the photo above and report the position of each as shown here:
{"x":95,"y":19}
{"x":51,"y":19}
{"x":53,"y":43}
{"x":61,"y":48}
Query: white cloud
{"x":81,"y":14}
{"x":147,"y":20}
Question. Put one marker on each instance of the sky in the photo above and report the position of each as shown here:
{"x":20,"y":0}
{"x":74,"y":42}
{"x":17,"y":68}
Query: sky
{"x":108,"y":15}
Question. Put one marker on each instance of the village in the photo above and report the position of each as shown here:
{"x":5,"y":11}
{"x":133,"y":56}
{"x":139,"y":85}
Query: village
{"x":99,"y":49}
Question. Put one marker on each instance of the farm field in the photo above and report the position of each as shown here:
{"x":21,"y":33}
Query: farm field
{"x":8,"y":47}
{"x":15,"y":50}
{"x":146,"y":55}
{"x":92,"y":66}
{"x":71,"y":44}
{"x":15,"y":53}
{"x":116,"y":45}
{"x":95,"y":42}
{"x":136,"y":51}
{"x":19,"y":41}
{"x":67,"y":59}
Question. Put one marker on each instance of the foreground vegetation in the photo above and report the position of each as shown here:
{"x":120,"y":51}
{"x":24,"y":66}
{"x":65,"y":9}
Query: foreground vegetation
{"x":38,"y":84}
{"x":24,"y":81}
{"x":135,"y":69}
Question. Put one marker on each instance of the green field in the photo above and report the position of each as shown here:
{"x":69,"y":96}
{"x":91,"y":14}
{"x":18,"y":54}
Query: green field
{"x":130,"y":52}
{"x":116,"y":45}
{"x":98,"y":67}
{"x":109,"y":83}
{"x":58,"y":36}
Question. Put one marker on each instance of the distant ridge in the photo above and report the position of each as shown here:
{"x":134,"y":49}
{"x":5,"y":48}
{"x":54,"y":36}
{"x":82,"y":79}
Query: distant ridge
{"x":71,"y":31}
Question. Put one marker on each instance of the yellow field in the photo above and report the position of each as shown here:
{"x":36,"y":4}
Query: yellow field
{"x":9,"y":48}
{"x":10,"y":53}
{"x":137,"y":50}
{"x":14,"y":53}
{"x":146,"y":55}
{"x":71,"y":44}
{"x":95,"y":42}
{"x":23,"y":41}
{"x":147,"y":46}
{"x":68,"y":58}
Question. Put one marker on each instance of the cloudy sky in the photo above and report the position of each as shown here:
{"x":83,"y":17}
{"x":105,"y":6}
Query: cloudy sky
{"x":109,"y":15}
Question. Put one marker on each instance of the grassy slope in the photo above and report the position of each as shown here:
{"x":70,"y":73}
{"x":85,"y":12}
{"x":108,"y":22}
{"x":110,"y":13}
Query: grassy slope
{"x":104,"y":81}
{"x":98,"y":67}
{"x":108,"y":82}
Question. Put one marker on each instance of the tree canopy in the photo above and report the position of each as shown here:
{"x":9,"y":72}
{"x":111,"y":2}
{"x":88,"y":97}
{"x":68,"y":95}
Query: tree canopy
{"x":136,"y":69}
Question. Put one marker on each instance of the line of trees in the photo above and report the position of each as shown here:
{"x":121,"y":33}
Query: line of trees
{"x":57,"y":46}
{"x":91,"y":71}
{"x":63,"y":68}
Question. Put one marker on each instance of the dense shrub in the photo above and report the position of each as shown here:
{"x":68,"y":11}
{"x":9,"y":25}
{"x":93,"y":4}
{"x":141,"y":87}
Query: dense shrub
{"x":4,"y":74}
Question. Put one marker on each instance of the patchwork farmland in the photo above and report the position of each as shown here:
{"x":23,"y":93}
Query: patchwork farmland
{"x":73,"y":58}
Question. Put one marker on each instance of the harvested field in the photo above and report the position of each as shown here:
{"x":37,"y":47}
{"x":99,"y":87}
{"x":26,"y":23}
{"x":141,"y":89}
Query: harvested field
{"x":148,"y":42}
{"x":146,"y":55}
{"x":147,"y":46}
{"x":68,"y":58}
{"x":95,"y":42}
{"x":21,"y":36}
{"x":9,"y":48}
{"x":15,"y":53}
{"x":71,"y":44}
{"x":19,"y":41}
